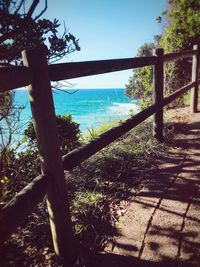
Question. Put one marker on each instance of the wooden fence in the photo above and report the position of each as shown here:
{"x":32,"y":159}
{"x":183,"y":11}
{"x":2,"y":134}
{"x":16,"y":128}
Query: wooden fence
{"x":37,"y":75}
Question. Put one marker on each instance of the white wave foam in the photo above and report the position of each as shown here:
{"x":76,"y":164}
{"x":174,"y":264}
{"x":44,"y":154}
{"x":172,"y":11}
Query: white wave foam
{"x":90,"y":101}
{"x":122,"y":108}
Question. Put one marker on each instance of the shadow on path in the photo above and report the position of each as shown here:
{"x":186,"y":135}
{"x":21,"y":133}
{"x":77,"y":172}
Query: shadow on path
{"x":162,"y":225}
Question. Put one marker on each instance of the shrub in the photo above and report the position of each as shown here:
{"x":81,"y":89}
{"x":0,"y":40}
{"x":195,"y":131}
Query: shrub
{"x":68,"y":133}
{"x":18,"y":169}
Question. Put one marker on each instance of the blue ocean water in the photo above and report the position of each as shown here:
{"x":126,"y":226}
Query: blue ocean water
{"x":89,"y":107}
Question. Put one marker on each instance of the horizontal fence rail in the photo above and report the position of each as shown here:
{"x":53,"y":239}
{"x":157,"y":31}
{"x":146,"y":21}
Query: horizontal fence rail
{"x":14,"y":77}
{"x":75,"y":157}
{"x":16,"y":210}
{"x":20,"y":76}
{"x":179,"y":55}
{"x":178,"y":93}
{"x":79,"y":69}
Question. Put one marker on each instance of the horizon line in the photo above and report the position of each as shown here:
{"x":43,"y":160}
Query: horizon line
{"x":92,"y":88}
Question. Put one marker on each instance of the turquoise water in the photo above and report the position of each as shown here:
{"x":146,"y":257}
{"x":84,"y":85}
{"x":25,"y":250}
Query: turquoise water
{"x":89,"y":107}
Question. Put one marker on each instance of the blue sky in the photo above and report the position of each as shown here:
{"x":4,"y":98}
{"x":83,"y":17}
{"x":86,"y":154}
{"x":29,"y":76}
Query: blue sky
{"x":108,"y":29}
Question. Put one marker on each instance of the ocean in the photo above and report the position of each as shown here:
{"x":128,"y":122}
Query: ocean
{"x":88,"y":107}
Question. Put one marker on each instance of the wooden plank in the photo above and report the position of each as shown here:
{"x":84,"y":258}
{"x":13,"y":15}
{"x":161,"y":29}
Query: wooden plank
{"x":79,"y":69}
{"x":195,"y":78}
{"x":178,"y":93}
{"x":15,"y":211}
{"x":75,"y":157}
{"x":42,"y":107}
{"x":158,"y":80}
{"x":178,"y":55}
{"x":14,"y":77}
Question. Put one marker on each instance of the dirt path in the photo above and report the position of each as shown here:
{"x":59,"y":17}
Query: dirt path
{"x":162,"y":224}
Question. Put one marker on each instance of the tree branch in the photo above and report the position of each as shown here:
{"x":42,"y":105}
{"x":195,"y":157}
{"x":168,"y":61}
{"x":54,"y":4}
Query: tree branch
{"x":20,"y":5}
{"x":40,"y":14}
{"x":32,"y":8}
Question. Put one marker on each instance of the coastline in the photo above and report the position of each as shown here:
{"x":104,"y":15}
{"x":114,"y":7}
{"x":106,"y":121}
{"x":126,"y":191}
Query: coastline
{"x":88,"y":107}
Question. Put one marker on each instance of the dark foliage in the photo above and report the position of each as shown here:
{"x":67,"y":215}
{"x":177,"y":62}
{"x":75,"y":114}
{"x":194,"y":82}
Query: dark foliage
{"x":68,"y":133}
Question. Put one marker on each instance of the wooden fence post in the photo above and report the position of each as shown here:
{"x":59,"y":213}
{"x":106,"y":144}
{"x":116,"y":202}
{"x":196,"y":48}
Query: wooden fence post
{"x":158,"y":78}
{"x":42,"y":106}
{"x":195,"y":75}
